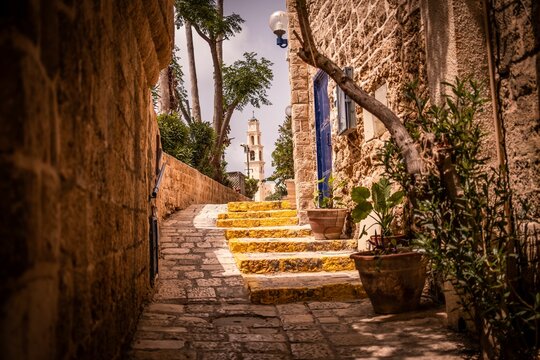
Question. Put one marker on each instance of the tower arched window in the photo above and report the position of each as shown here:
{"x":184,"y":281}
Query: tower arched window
{"x":252,"y":155}
{"x":260,"y":155}
{"x":252,"y":140}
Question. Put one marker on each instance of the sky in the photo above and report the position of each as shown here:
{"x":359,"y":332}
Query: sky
{"x":257,"y":37}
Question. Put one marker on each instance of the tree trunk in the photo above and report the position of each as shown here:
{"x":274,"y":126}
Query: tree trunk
{"x":193,"y":74}
{"x":164,"y":101}
{"x":218,"y":90}
{"x":218,"y":96}
{"x":220,"y":37}
{"x":218,"y":108}
{"x":221,"y":135}
{"x":309,"y":54}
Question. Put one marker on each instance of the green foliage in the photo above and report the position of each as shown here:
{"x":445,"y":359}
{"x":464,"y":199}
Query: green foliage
{"x":276,"y":195}
{"x":191,"y":144}
{"x":175,"y":137}
{"x":252,"y":185}
{"x":202,"y":137}
{"x":155,"y":95}
{"x":282,"y":157}
{"x":465,"y":225}
{"x":327,"y":198}
{"x":205,"y":18}
{"x":179,"y":98}
{"x":382,"y":204}
{"x":246,"y":81}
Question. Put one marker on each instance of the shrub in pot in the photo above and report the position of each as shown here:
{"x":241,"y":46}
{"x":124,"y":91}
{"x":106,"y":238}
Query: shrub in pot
{"x":327,"y":219}
{"x":392,"y":274}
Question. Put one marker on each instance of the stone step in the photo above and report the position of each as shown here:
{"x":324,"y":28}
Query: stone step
{"x":290,"y":245}
{"x":244,"y":223}
{"x":262,"y":263}
{"x":269,"y":232}
{"x":258,"y":214}
{"x":322,"y":286}
{"x":243,"y":206}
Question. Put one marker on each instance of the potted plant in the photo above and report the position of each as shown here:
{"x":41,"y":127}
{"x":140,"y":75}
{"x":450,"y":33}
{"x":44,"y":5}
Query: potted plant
{"x":392,"y":274}
{"x":327,"y":220}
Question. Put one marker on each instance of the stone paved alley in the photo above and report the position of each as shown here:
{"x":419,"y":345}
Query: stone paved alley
{"x":201,"y":310}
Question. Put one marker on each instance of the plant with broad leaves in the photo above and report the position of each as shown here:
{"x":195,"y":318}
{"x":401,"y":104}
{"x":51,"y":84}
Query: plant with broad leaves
{"x":381,"y":209}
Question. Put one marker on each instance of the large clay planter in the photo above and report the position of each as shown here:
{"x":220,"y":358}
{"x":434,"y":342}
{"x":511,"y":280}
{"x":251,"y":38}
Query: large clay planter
{"x":327,"y":224}
{"x":394,"y":282}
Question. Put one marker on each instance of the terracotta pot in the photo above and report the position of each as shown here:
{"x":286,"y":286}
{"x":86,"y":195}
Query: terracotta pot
{"x":394,"y":282}
{"x":327,"y":223}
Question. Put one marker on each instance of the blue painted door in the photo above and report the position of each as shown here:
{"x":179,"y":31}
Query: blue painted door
{"x":323,"y":129}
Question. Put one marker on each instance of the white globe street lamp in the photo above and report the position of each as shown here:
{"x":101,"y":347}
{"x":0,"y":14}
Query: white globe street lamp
{"x":278,"y":24}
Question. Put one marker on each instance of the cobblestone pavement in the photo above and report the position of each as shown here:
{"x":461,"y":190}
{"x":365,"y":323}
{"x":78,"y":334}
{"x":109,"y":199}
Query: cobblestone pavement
{"x":201,"y":311}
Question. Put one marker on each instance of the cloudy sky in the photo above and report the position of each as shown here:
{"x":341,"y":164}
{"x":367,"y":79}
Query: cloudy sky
{"x":257,"y":37}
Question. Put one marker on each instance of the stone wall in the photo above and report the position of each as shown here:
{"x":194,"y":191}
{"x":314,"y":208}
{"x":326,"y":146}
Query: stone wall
{"x":516,"y":40}
{"x":395,"y":42}
{"x":384,"y":43}
{"x":303,"y":128}
{"x":183,"y":185}
{"x":77,"y":163}
{"x":456,"y":46}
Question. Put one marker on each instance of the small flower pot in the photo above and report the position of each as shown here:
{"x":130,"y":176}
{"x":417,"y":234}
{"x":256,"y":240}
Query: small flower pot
{"x":393,"y":282}
{"x":327,"y":224}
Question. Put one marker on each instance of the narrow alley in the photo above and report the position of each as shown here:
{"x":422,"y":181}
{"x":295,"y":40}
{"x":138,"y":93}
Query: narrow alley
{"x":116,"y":166}
{"x":201,"y":310}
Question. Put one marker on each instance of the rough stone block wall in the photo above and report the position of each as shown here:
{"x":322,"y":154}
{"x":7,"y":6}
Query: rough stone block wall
{"x":456,"y":46}
{"x":303,"y":127}
{"x":384,"y":43}
{"x":183,"y":185}
{"x":77,"y":163}
{"x":516,"y":40}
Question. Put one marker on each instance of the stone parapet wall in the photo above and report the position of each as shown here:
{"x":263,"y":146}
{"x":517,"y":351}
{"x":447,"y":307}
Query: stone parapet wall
{"x":183,"y":185}
{"x":77,"y":163}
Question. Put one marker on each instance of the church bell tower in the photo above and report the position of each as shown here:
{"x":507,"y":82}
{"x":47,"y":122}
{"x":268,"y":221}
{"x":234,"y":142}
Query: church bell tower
{"x":256,"y":161}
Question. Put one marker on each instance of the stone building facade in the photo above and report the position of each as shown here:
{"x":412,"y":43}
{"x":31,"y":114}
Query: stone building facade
{"x":78,"y":162}
{"x":390,"y":43}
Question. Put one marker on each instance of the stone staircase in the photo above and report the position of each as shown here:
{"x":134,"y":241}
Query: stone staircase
{"x":281,"y":262}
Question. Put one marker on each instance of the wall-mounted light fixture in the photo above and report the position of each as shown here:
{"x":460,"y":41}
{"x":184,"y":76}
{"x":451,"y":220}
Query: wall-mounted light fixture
{"x":288,"y":110}
{"x":278,"y":24}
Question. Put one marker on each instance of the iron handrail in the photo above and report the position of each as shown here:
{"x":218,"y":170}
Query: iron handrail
{"x":158,"y":181}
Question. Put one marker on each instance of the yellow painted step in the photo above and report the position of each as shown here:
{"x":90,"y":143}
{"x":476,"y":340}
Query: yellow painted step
{"x":320,"y":286}
{"x":258,"y":206}
{"x":262,"y":263}
{"x":290,"y":245}
{"x":258,"y":214}
{"x":280,"y":221}
{"x":269,"y":232}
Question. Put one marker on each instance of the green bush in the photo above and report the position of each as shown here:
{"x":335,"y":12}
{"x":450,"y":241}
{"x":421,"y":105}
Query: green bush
{"x":191,"y":144}
{"x":252,"y":185}
{"x":282,"y":159}
{"x":464,"y":225}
